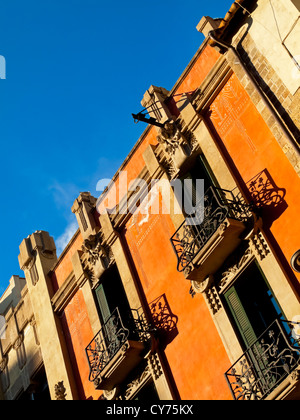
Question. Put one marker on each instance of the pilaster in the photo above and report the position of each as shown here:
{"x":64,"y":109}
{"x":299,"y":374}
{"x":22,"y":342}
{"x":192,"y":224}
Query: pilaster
{"x":37,"y":256}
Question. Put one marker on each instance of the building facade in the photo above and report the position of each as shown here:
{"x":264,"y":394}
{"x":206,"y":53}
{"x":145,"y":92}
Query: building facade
{"x":153,"y":300}
{"x":22,"y":369}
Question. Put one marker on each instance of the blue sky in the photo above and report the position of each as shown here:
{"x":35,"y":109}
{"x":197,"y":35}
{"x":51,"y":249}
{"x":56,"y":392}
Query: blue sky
{"x":75,"y":71}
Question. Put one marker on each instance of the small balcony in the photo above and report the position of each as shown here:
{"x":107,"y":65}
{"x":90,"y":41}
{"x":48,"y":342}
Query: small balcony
{"x":202,"y":248}
{"x":118,"y":348}
{"x":269,"y":369}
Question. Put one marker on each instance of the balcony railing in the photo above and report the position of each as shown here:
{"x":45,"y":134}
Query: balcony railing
{"x":219,"y":204}
{"x":112,"y":337}
{"x":265,"y":365}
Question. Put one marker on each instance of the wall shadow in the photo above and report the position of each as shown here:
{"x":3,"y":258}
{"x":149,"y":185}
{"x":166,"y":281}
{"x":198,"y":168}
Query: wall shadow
{"x":268,"y":199}
{"x":163,"y":320}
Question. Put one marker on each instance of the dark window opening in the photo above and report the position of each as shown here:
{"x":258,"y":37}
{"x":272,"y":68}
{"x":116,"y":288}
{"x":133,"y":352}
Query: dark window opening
{"x":110,"y":294}
{"x":38,"y":390}
{"x":190,"y":194}
{"x":252,"y":305}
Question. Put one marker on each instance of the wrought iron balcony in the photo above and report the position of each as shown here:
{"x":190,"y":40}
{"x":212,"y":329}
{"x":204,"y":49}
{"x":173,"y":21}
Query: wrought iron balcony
{"x":266,"y":364}
{"x":223,"y":212}
{"x":117,"y":348}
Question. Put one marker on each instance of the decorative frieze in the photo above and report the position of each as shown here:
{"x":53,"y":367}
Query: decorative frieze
{"x":155,"y":366}
{"x":134,"y":386}
{"x":213,"y":299}
{"x":259,"y":246}
{"x":233,"y":270}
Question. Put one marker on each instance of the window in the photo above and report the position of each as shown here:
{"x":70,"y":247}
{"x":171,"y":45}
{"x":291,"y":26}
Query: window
{"x":269,"y":351}
{"x":191,"y":196}
{"x":251,"y":305}
{"x":110,"y":295}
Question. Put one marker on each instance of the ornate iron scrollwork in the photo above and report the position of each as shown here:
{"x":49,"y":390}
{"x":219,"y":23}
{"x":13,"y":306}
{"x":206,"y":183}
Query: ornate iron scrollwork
{"x":265,"y":364}
{"x":219,"y":204}
{"x":106,"y":344}
{"x":113,"y":337}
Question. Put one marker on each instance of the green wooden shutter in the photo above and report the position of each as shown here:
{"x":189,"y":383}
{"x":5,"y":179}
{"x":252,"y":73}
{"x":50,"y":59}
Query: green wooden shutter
{"x":240,"y":317}
{"x":103,"y":305}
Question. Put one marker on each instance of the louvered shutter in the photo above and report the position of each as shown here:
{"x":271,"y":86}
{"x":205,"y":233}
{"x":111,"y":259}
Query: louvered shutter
{"x":103,"y":305}
{"x":240,"y":317}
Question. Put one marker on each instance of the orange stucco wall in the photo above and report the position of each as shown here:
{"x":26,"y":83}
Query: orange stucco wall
{"x":78,"y":334}
{"x":64,"y":267}
{"x":261,"y":167}
{"x":193,"y":348}
{"x":133,"y":168}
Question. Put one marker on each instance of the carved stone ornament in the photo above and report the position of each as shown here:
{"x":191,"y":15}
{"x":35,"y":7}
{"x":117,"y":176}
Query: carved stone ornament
{"x":111,"y":395}
{"x":60,"y":391}
{"x":231,"y":272}
{"x":137,"y":383}
{"x":170,"y":137}
{"x":259,"y":246}
{"x":202,"y":286}
{"x":169,"y":167}
{"x":18,"y":342}
{"x":97,"y":257}
{"x":93,"y":248}
{"x":295,"y":376}
{"x":213,"y":300}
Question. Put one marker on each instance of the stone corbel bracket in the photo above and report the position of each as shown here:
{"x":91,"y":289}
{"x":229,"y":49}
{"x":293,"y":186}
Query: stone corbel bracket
{"x":176,"y":144}
{"x":96,"y":257}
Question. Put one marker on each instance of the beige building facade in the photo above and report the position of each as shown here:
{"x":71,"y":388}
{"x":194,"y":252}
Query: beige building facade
{"x":22,"y":369}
